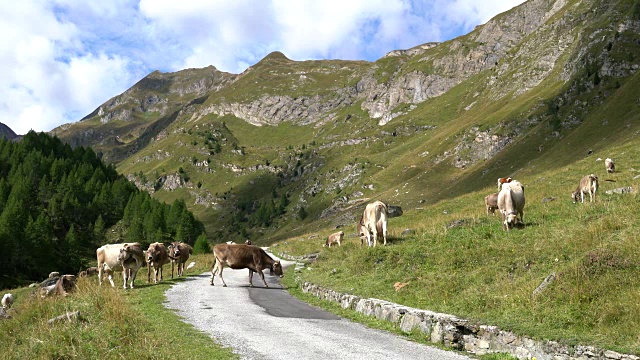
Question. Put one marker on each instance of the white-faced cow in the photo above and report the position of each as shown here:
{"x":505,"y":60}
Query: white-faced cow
{"x":374,"y":220}
{"x":157,"y":256}
{"x":241,"y":256}
{"x":588,"y":185}
{"x":127,"y":257}
{"x":335,"y":238}
{"x":511,"y":204}
{"x":179,"y":254}
{"x":609,"y":165}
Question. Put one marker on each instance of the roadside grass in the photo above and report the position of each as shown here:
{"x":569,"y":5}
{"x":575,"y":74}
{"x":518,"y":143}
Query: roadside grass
{"x":289,"y":281}
{"x":115,"y":324}
{"x":460,"y":261}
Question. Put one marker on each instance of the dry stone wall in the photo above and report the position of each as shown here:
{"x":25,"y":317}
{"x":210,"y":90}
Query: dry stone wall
{"x":461,"y":334}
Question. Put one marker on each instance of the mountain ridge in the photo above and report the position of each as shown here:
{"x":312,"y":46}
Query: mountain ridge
{"x":528,"y":77}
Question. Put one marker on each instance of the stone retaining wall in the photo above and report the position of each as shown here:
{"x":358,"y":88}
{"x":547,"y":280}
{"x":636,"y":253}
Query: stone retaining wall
{"x":461,"y":334}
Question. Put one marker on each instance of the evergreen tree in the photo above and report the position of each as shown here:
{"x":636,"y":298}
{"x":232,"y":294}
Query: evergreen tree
{"x":201,"y":245}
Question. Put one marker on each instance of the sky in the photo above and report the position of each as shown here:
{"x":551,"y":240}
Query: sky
{"x":61,"y":59}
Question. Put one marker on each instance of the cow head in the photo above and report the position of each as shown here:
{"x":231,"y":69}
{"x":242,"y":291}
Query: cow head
{"x":125,"y":253}
{"x":575,"y":196}
{"x":276,"y":269}
{"x":174,"y":250}
{"x":510,"y":220}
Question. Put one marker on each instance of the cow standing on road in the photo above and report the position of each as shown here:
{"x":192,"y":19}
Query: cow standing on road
{"x":241,"y":256}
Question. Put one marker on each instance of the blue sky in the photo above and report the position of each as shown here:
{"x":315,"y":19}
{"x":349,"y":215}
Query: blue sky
{"x":61,"y":59}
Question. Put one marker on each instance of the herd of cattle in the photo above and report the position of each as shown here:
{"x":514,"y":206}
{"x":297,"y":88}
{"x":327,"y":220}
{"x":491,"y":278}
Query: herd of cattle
{"x":130,"y":257}
{"x":509,"y":201}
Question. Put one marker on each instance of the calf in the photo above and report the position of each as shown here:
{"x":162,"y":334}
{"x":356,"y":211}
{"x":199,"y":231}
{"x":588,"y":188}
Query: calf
{"x":335,"y":238}
{"x":127,"y":257}
{"x":511,"y":202}
{"x":89,"y":272}
{"x":241,"y":256}
{"x":179,"y":254}
{"x":609,"y":165}
{"x":588,"y":185}
{"x":157,"y":256}
{"x":491,"y":203}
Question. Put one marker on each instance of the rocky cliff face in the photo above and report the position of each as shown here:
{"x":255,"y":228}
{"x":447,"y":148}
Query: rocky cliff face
{"x":6,"y":132}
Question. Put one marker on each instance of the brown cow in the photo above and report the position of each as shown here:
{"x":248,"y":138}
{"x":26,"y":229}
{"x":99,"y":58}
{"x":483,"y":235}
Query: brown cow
{"x":335,"y":238}
{"x":241,"y":256}
{"x":89,"y":272}
{"x":588,"y":185}
{"x":127,"y":257}
{"x":157,"y":256}
{"x":374,"y":220}
{"x":179,"y":254}
{"x":491,"y":203}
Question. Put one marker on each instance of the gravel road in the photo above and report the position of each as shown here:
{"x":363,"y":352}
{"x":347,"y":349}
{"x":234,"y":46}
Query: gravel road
{"x":268,"y":323}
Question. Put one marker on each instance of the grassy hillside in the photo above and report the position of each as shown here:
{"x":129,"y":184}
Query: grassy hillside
{"x":114,"y":324}
{"x":481,"y":272}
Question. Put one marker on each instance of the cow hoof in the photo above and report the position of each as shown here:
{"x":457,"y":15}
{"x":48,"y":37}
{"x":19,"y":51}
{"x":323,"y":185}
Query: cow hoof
{"x":225,"y":285}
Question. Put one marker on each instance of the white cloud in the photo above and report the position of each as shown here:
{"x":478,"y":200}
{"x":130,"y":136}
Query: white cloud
{"x":60,"y":59}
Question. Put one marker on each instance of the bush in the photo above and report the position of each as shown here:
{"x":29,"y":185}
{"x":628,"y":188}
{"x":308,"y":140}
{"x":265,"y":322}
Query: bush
{"x":202,"y":245}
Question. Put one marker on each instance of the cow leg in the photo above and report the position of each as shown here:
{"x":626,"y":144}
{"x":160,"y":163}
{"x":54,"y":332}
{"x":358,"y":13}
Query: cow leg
{"x":99,"y":275}
{"x":263,"y":280}
{"x":375,"y":237}
{"x":155,"y":275}
{"x":250,"y":277}
{"x":125,"y":277}
{"x":173,"y":263}
{"x":214,"y":268}
{"x":133,"y":277}
{"x":224,"y":284}
{"x":110,"y":277}
{"x":384,"y":233}
{"x":161,"y":273}
{"x":148,"y":272}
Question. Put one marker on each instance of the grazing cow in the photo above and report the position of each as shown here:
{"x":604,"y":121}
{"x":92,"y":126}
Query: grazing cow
{"x":127,"y":257}
{"x":588,"y":185}
{"x":491,"y":203}
{"x":241,"y":256}
{"x":335,"y":238}
{"x":179,"y":254}
{"x":63,"y":285}
{"x":157,"y":256}
{"x":511,"y":204}
{"x":89,"y":272}
{"x":7,"y":301}
{"x":609,"y":165}
{"x":374,"y":220}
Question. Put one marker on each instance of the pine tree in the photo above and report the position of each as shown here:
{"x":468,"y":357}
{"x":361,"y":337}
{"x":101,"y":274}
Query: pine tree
{"x":201,"y":245}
